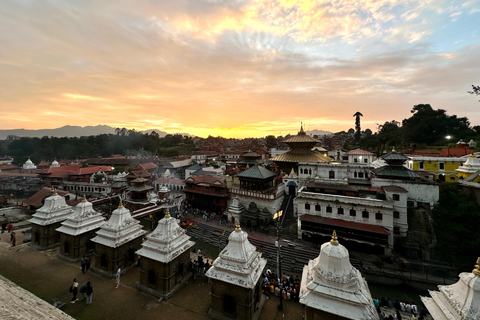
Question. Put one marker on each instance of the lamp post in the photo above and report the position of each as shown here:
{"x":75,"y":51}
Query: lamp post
{"x":448,"y":144}
{"x":279,"y":258}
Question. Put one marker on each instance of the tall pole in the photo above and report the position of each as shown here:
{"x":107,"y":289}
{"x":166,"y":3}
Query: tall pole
{"x":279,"y":263}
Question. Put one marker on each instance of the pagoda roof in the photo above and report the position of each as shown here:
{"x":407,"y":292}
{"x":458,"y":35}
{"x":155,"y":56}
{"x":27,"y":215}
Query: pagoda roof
{"x":301,"y":155}
{"x":239,"y":263}
{"x":83,"y":219}
{"x":395,"y":156}
{"x":256,"y":172}
{"x":395,"y":172}
{"x":54,"y":210}
{"x":119,"y":229}
{"x":166,"y":242}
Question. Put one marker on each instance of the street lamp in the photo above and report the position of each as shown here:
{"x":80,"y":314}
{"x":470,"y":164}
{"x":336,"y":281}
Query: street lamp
{"x":448,"y":144}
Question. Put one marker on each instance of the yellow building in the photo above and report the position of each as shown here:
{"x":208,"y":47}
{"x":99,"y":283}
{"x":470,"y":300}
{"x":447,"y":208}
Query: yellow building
{"x":443,"y":168}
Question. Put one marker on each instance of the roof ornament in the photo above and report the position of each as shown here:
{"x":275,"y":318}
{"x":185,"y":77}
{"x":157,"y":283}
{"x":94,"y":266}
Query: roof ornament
{"x":334,"y":240}
{"x":54,"y":192}
{"x":237,"y":228}
{"x":301,"y":132}
{"x":120,"y":205}
{"x":393,"y":149}
{"x":476,"y":271}
{"x":167,"y":214}
{"x":84,"y":198}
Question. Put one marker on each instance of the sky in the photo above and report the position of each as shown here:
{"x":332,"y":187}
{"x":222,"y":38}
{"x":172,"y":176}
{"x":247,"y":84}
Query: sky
{"x":239,"y":68}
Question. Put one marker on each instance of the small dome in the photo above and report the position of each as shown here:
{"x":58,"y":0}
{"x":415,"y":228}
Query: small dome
{"x":164,"y":189}
{"x":55,"y":164}
{"x":29,"y":164}
{"x":334,"y":262}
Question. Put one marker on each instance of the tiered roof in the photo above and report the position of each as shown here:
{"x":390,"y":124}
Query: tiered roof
{"x":239,"y":263}
{"x":331,"y":284}
{"x":119,"y":229}
{"x":471,"y":166}
{"x":257,"y":172}
{"x":459,"y":301}
{"x":84,"y":219}
{"x":166,"y":242}
{"x":54,"y":210}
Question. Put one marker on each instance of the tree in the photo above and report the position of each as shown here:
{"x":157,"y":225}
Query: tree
{"x":358,"y":130}
{"x":271,"y":141}
{"x":475,"y":90}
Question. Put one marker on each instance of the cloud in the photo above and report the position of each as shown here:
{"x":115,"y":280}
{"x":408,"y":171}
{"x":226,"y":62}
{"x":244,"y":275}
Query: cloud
{"x":234,"y":66}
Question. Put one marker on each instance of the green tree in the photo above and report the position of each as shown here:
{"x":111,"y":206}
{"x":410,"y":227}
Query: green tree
{"x":271,"y":141}
{"x":358,"y":130}
{"x":475,"y":90}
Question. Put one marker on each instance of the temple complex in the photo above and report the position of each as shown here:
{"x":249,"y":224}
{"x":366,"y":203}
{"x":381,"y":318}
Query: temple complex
{"x":236,"y":280}
{"x":164,"y":258}
{"x":47,"y":219}
{"x":116,"y":242}
{"x":332,"y":288}
{"x":77,"y":230}
{"x":460,"y":300}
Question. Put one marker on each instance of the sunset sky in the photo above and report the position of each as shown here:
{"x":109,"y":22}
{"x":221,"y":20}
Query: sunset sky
{"x":240,"y":68}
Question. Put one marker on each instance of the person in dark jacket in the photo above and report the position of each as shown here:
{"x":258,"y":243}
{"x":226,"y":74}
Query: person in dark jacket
{"x":89,"y":292}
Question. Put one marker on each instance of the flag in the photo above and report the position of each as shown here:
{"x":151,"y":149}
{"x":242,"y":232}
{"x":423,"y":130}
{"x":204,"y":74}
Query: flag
{"x":150,"y":216}
{"x":223,"y":233}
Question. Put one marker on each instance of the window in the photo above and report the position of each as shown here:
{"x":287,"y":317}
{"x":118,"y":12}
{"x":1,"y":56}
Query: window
{"x":378,"y":216}
{"x":441,"y":166}
{"x":340,"y":210}
{"x":365,"y":160}
{"x":396,"y":230}
{"x":355,"y":160}
{"x":355,"y":174}
{"x":360,"y":174}
{"x":396,"y":214}
{"x":331,"y":174}
{"x":396,"y":197}
{"x":353,"y":213}
{"x":317,"y":207}
{"x":329,"y":209}
{"x":307,"y":206}
{"x":421,"y":165}
{"x":152,"y":277}
{"x":365,"y":214}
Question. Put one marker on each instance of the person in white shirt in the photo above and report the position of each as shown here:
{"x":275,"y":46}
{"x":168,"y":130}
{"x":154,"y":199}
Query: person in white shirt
{"x":117,"y":276}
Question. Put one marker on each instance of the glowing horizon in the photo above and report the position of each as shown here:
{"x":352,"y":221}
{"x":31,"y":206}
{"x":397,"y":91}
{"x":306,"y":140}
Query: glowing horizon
{"x":239,"y":68}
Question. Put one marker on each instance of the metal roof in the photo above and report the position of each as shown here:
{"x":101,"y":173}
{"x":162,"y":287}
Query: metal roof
{"x":303,"y":155}
{"x":256,"y":172}
{"x":395,"y":171}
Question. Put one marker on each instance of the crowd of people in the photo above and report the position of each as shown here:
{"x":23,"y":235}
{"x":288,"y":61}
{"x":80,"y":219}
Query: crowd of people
{"x":199,"y":266}
{"x":287,"y":286}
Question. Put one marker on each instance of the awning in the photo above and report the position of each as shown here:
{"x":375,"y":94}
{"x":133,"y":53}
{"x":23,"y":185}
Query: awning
{"x":344,"y":224}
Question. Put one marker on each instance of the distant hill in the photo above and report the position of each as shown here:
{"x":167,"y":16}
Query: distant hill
{"x":318,"y":132}
{"x":65,"y":131}
{"x":70,"y":131}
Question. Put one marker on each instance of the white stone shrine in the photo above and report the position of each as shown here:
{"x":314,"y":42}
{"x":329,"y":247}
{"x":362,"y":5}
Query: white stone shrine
{"x":164,"y":258}
{"x":332,"y":288}
{"x":47,"y":219}
{"x":459,"y":301}
{"x":77,"y":230}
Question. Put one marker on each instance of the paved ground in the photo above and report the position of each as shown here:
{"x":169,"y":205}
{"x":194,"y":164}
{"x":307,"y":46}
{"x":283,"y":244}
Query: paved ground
{"x":49,"y":277}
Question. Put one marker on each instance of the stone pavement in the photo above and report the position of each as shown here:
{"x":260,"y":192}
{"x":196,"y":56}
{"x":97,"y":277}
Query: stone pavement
{"x":49,"y":277}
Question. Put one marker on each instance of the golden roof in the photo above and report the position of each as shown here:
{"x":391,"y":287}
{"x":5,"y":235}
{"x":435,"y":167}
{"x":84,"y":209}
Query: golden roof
{"x":301,"y":156}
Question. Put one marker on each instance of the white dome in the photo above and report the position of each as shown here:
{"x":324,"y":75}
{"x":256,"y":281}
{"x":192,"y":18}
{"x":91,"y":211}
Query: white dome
{"x":29,"y":164}
{"x":55,"y":164}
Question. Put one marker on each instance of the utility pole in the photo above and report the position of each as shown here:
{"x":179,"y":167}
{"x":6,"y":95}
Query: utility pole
{"x":279,"y":257}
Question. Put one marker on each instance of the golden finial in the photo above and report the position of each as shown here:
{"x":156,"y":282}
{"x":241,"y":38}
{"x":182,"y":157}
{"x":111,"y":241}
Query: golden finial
{"x":334,"y":240}
{"x":237,"y":228}
{"x":84,"y":198}
{"x":54,"y":192}
{"x":476,"y":271}
{"x":393,"y":149}
{"x":167,"y":213}
{"x":120,"y":205}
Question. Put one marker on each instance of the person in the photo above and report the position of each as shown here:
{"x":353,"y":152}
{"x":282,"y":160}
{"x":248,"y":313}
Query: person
{"x":74,"y":290}
{"x":88,"y":261}
{"x":414,"y":308}
{"x":89,"y":292}
{"x":13,"y":240}
{"x":10,"y":227}
{"x":117,"y":276}
{"x":399,"y":315}
{"x":83,"y":264}
{"x":82,"y":291}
